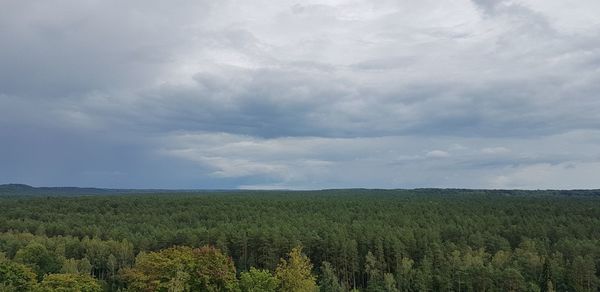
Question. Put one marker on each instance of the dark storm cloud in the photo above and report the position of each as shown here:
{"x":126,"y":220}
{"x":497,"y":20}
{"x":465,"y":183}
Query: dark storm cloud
{"x":281,"y":94}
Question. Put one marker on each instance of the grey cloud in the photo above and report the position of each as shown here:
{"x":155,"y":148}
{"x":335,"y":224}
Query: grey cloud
{"x":487,"y":6}
{"x":70,"y":48}
{"x":311,"y":95}
{"x":275,"y":103}
{"x":399,"y":161}
{"x":385,"y":63}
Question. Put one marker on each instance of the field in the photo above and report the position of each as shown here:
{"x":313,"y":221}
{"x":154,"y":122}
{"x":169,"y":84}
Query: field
{"x":373,"y":240}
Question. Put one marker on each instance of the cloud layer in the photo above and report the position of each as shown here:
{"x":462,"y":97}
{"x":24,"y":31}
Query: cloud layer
{"x":312,"y":94}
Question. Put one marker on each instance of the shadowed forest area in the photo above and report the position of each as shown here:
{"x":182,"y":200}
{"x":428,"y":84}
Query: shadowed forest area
{"x":334,"y":240}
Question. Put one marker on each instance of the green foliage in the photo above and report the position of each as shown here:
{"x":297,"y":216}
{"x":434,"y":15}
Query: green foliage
{"x":328,"y":280}
{"x":15,"y":277}
{"x":40,"y":259}
{"x":295,"y":273}
{"x":429,"y":239}
{"x":182,"y":269}
{"x":84,"y":266}
{"x":374,"y":273}
{"x":389,"y":283}
{"x":69,"y":283}
{"x":70,"y":267}
{"x":512,"y":280}
{"x":583,"y":274}
{"x":256,"y":280}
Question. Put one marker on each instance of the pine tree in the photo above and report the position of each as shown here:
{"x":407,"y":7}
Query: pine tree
{"x":328,"y":281}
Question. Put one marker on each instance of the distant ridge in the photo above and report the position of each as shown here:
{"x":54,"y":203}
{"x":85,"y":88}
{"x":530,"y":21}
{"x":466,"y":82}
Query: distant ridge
{"x":27,"y":190}
{"x":14,"y":189}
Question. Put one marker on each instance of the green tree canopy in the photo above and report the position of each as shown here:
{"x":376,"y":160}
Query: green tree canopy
{"x":182,"y":269}
{"x":15,"y":277}
{"x":295,"y":273}
{"x":41,"y":260}
{"x":328,"y":280}
{"x":69,"y":283}
{"x":257,"y":280}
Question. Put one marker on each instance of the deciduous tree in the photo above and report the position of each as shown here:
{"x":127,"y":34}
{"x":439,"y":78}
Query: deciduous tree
{"x":256,"y":280}
{"x":295,"y":273}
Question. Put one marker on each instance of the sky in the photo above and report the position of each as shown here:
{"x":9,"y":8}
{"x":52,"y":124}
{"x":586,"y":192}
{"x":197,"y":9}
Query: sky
{"x":300,"y":94}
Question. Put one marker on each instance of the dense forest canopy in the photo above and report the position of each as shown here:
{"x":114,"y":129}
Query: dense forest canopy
{"x":369,"y":240}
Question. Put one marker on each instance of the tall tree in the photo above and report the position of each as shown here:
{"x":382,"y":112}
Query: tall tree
{"x":582,"y":274}
{"x":295,"y":273}
{"x":328,"y":281}
{"x":40,"y":259}
{"x":256,"y":280}
{"x":201,"y":269}
{"x":374,"y":273}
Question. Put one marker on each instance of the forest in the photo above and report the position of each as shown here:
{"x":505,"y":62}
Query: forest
{"x":331,"y":240}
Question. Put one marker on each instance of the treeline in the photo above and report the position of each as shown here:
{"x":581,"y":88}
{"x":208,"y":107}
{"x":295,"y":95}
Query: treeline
{"x":27,"y":190}
{"x":174,"y":269}
{"x":422,"y":240}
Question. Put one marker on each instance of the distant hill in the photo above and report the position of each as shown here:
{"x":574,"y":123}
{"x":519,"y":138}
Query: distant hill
{"x":27,"y":190}
{"x":16,"y":187}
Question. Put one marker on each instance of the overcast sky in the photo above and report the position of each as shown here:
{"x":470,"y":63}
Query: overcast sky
{"x":300,"y":94}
